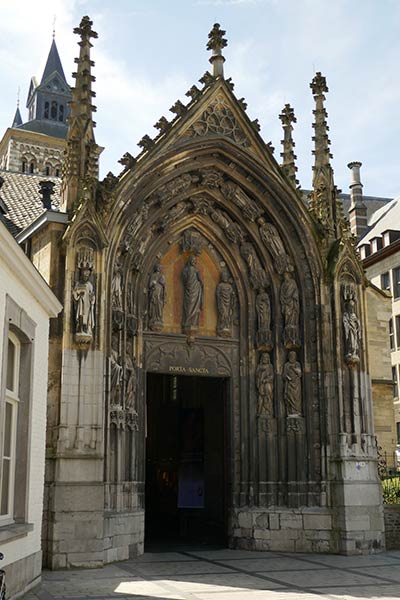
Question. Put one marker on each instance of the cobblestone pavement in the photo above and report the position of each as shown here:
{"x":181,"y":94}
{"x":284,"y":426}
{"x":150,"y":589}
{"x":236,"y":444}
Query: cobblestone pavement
{"x":200,"y":574}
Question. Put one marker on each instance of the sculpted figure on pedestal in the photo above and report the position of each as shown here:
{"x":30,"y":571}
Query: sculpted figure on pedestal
{"x":290,"y":306}
{"x":225,"y":305}
{"x":130,"y":390}
{"x":351,"y":326}
{"x":263,"y":312}
{"x":84,"y":296}
{"x":157,"y":298}
{"x":192,"y":295}
{"x":116,"y":377}
{"x":265,"y":385}
{"x":292,"y":385}
{"x":116,"y":285}
{"x":257,"y":275}
{"x":232,"y":230}
{"x":272,"y":240}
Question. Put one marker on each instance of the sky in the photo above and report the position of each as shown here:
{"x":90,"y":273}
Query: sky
{"x":150,"y":52}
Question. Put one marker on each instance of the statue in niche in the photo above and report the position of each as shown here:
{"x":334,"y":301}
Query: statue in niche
{"x":116,"y":377}
{"x":192,"y":295}
{"x":84,"y":297}
{"x":130,"y":389}
{"x":257,"y":275}
{"x":272,"y":240}
{"x":263,"y":312}
{"x":290,"y":306}
{"x":157,"y":298}
{"x":265,"y":385}
{"x":116,"y":285}
{"x":225,"y":305}
{"x":292,"y":385}
{"x":351,"y":327}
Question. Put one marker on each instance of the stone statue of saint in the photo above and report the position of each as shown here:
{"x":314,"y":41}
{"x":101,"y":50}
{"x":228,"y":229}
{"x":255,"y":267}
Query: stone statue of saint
{"x":116,"y":377}
{"x":351,"y":326}
{"x":257,"y":275}
{"x":225,"y":305}
{"x":263,"y":310}
{"x":157,"y":298}
{"x":116,"y":286}
{"x":84,"y":300}
{"x":273,"y":242}
{"x":130,"y":390}
{"x":192,"y":295}
{"x":292,"y":385}
{"x":265,"y":385}
{"x":290,"y":306}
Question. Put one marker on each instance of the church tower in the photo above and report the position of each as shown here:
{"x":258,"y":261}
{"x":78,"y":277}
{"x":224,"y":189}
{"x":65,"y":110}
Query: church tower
{"x":36,"y":146}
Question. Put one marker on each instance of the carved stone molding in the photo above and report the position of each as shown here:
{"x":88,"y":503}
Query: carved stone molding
{"x":192,"y":242}
{"x":266,"y":424}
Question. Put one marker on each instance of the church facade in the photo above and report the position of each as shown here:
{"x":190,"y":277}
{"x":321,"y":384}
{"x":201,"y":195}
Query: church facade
{"x":209,"y":375}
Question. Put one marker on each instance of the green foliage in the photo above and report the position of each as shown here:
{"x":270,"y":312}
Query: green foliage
{"x":391,"y":490}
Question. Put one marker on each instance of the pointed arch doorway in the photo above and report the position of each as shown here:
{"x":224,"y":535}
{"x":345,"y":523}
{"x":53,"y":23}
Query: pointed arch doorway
{"x":187,"y":458}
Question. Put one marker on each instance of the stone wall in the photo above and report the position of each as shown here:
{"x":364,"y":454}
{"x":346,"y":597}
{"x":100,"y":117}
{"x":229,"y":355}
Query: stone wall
{"x":284,"y":529}
{"x":379,"y":311}
{"x":392,"y":526}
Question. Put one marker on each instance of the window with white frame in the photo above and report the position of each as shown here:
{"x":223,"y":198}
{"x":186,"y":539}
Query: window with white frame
{"x":10,"y":414}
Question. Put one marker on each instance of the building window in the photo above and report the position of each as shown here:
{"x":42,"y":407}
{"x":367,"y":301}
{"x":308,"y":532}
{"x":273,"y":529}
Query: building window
{"x":47,"y":170}
{"x":57,"y":172}
{"x":8,"y":450}
{"x":391,"y":334}
{"x":54,"y":108}
{"x":23,"y":168}
{"x":396,"y":282}
{"x":398,"y":431}
{"x":398,"y":332}
{"x":394,"y":379}
{"x":61,"y":113}
{"x":46,"y":110}
{"x":385,"y":281}
{"x":32,"y":167}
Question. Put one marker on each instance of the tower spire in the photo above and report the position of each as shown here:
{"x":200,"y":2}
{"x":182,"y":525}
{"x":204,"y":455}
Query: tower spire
{"x":81,"y":163}
{"x":216,"y":42}
{"x":323,"y":198}
{"x":288,"y":163}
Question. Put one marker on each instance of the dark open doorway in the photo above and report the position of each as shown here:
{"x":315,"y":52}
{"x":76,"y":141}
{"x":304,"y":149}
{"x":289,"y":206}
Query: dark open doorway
{"x":186,"y":459}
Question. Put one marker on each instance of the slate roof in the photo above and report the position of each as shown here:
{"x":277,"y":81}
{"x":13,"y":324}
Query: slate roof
{"x":22,"y":200}
{"x":53,"y":64}
{"x":47,"y":127}
{"x":372,"y":203}
{"x":386,"y":217}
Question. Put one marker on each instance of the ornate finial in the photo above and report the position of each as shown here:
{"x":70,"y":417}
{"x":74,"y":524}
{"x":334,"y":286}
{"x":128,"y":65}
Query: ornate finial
{"x":216,"y":42}
{"x":18,"y":93}
{"x":242,"y":103}
{"x":323,"y":198}
{"x":318,"y":85}
{"x":54,"y":26}
{"x":288,"y":165}
{"x":81,"y":170}
{"x":85,"y":29}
